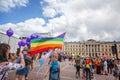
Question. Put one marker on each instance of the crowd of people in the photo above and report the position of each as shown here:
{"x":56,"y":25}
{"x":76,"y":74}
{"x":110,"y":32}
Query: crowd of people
{"x":88,"y":66}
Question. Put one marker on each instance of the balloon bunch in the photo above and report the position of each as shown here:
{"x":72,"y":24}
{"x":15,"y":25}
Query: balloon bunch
{"x":23,"y":42}
{"x":26,"y":41}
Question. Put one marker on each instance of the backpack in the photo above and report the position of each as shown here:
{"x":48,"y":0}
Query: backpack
{"x":77,"y":61}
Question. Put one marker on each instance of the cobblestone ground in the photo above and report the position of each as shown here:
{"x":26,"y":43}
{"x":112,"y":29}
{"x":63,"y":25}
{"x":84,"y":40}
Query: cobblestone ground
{"x":67,"y":73}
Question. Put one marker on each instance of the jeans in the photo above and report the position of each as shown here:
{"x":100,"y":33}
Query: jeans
{"x":88,"y":74}
{"x":78,"y":71}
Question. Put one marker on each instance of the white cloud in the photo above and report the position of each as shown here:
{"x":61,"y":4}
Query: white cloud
{"x":85,"y":19}
{"x":27,"y":27}
{"x":49,"y":12}
{"x":6,"y":5}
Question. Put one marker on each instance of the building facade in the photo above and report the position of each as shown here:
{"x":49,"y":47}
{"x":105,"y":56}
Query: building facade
{"x":91,"y":48}
{"x":12,"y":41}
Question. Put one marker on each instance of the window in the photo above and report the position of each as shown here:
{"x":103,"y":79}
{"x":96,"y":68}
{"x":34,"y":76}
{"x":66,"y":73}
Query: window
{"x":102,"y":46}
{"x":110,"y":54}
{"x":82,"y":53}
{"x":109,"y":49}
{"x":99,"y":53}
{"x":102,"y":49}
{"x":106,"y":49}
{"x":92,"y":54}
{"x":103,"y":54}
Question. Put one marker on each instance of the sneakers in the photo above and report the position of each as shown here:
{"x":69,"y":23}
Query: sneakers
{"x":26,"y":78}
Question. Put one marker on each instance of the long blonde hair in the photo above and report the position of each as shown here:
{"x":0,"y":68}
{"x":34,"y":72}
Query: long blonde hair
{"x":54,"y":57}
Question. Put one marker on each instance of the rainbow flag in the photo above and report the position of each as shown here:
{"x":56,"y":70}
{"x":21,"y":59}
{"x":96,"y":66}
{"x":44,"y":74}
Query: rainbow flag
{"x":44,"y":44}
{"x":28,"y":57}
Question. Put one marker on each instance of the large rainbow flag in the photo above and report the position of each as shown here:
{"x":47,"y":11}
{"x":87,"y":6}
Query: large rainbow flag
{"x":44,"y":44}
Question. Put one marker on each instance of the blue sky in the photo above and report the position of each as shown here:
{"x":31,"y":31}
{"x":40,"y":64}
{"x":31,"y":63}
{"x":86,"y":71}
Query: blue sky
{"x":20,"y":14}
{"x":80,"y":19}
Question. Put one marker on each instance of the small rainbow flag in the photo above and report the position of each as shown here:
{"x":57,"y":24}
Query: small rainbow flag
{"x":11,"y":56}
{"x":28,"y":57}
{"x":44,"y":44}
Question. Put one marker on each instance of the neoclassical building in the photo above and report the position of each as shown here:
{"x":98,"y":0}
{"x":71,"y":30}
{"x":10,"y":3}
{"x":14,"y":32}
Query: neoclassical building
{"x":91,"y":47}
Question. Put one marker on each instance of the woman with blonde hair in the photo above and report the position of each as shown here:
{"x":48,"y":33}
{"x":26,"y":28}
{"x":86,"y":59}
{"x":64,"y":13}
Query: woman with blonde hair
{"x":54,"y":68}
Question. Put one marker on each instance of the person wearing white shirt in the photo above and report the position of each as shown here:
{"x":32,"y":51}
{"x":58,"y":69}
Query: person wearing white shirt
{"x":105,"y":66}
{"x":5,"y":65}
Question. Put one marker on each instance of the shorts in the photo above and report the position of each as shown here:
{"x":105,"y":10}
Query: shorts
{"x":23,"y":71}
{"x":105,"y":68}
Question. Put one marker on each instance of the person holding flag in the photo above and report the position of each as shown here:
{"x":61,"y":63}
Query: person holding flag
{"x":54,"y":68}
{"x":88,"y":68}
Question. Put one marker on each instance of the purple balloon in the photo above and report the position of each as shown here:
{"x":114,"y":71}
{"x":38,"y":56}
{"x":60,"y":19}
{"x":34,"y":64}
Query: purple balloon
{"x":28,"y":39}
{"x":28,"y":44}
{"x":9,"y":32}
{"x":38,"y":36}
{"x":23,"y":42}
{"x":33,"y":36}
{"x":19,"y":44}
